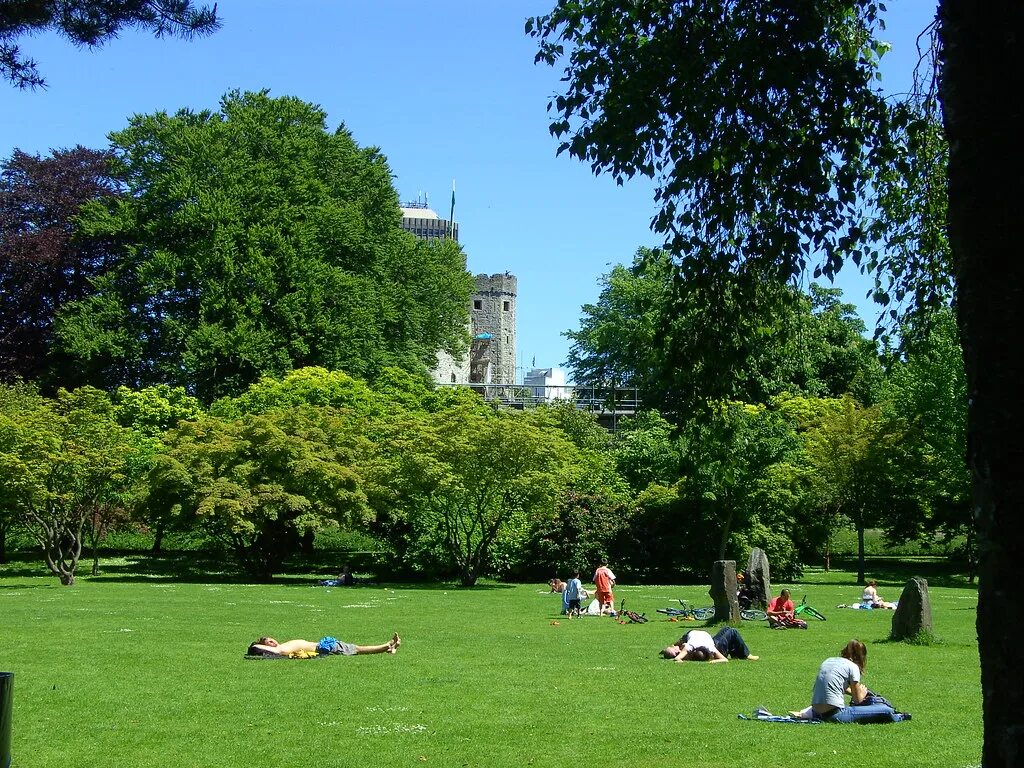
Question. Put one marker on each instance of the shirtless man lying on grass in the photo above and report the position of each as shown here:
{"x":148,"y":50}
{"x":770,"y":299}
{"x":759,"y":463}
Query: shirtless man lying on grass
{"x":326,"y":646}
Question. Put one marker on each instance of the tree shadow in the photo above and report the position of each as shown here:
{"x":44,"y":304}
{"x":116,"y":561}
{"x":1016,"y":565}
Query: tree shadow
{"x":894,"y":572}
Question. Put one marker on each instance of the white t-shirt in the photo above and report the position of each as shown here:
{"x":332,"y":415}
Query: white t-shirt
{"x":698,"y":638}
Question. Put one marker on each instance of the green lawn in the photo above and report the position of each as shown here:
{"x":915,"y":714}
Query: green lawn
{"x":123,"y":671}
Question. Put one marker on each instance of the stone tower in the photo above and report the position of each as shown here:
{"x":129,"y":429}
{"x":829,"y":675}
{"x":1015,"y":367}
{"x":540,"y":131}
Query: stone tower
{"x":493,"y":330}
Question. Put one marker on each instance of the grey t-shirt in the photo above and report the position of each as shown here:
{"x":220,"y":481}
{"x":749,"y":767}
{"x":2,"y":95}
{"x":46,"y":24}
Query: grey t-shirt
{"x":834,"y":677}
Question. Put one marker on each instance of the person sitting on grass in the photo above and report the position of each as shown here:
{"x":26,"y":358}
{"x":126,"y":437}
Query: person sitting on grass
{"x":268,"y":646}
{"x":698,"y":645}
{"x":870,"y":598}
{"x":782,"y":613}
{"x":838,"y":676}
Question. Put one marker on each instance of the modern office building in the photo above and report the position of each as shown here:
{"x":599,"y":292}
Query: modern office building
{"x":418,"y":219}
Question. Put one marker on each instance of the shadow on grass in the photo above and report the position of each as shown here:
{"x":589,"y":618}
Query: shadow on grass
{"x":194,"y":567}
{"x":893,"y":571}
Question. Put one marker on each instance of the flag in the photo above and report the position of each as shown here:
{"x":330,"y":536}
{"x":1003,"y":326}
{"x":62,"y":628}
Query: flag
{"x":451,"y":217}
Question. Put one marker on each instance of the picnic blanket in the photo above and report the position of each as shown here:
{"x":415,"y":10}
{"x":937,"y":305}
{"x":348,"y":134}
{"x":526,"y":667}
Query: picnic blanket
{"x":765,"y":716}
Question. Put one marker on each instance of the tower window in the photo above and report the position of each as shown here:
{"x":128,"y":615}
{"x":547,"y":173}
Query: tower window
{"x":506,"y":306}
{"x":478,"y":304}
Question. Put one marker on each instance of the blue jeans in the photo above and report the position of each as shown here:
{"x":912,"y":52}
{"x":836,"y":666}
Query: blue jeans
{"x":730,"y":643}
{"x":867,"y":713}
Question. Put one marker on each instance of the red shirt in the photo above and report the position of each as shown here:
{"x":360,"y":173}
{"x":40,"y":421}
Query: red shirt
{"x":603,"y":579}
{"x":778,"y":606}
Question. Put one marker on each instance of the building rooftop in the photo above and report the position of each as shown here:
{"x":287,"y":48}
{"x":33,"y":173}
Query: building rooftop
{"x":418,"y":213}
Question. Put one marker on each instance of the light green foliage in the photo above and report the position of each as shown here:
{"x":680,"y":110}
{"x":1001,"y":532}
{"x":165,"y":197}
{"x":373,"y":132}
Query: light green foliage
{"x":645,"y":450}
{"x":926,"y":393}
{"x":256,"y":241}
{"x":260,"y":482}
{"x":727,"y":459}
{"x":61,"y":461}
{"x":153,"y":410}
{"x":305,"y":386}
{"x":846,"y":454}
{"x":468,"y":477}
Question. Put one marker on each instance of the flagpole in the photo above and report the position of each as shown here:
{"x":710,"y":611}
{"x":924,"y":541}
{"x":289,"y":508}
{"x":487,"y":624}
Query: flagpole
{"x":451,"y":217}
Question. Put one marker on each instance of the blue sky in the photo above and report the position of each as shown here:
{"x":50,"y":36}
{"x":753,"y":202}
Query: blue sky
{"x":446,"y":88}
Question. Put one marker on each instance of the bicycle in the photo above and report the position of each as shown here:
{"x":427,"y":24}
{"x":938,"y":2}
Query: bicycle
{"x":704,"y":614}
{"x":805,"y":608}
{"x":686,"y":613}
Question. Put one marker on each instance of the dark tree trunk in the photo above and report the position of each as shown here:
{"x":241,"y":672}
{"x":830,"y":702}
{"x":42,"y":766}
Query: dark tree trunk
{"x":983,"y":113}
{"x":860,"y":554}
{"x":158,"y":538}
{"x":3,"y":542}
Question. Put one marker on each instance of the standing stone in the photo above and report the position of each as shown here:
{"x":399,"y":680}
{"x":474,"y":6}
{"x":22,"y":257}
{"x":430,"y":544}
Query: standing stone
{"x":914,"y":613}
{"x":723,"y":590}
{"x":759,"y":583}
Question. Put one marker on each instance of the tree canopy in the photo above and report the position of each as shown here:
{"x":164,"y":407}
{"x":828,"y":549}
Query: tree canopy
{"x":256,"y":241}
{"x":45,"y":263}
{"x":641,"y":333}
{"x":91,"y":23}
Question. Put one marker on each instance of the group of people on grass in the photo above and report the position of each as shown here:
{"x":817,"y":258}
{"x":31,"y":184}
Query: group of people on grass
{"x":838,"y":676}
{"x":573,"y":593}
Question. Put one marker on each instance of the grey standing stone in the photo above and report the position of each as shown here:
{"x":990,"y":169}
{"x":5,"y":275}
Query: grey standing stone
{"x":723,"y":590}
{"x":760,"y":585}
{"x":914,"y":612}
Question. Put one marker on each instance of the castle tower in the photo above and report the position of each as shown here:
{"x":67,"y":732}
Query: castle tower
{"x":493,"y":330}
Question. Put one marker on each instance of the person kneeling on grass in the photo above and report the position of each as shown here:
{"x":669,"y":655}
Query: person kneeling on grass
{"x":840,"y":675}
{"x":698,"y":645}
{"x":268,"y":646}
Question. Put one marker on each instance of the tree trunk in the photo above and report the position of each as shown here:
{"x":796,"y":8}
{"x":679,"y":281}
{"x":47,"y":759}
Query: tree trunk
{"x":982,"y":51}
{"x":723,"y":542}
{"x":158,"y":538}
{"x":860,"y":554}
{"x":3,"y":542}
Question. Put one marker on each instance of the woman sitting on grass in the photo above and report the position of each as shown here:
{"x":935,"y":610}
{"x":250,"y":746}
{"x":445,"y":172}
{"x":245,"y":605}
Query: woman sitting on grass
{"x":268,"y":646}
{"x":870,"y":598}
{"x":838,"y":676}
{"x":698,"y":645}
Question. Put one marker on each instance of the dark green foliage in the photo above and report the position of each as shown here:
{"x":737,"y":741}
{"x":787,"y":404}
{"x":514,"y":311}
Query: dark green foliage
{"x":255,"y":242}
{"x":44,"y":261}
{"x":91,"y":23}
{"x":582,"y":528}
{"x":651,"y":331}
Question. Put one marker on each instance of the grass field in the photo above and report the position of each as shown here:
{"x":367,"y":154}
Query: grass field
{"x":138,"y":671}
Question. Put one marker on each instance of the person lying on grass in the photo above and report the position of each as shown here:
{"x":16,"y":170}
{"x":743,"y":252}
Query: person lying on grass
{"x":698,"y":645}
{"x":325,"y":647}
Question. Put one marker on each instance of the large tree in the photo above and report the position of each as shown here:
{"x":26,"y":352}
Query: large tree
{"x":765,"y":128}
{"x":259,"y":484}
{"x":91,"y":23}
{"x":61,"y":462}
{"x":44,"y":262}
{"x":257,"y":241}
{"x":644,"y":331}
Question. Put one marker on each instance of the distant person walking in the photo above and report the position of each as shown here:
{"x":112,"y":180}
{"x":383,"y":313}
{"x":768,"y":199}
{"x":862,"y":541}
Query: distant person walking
{"x":604,"y":580}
